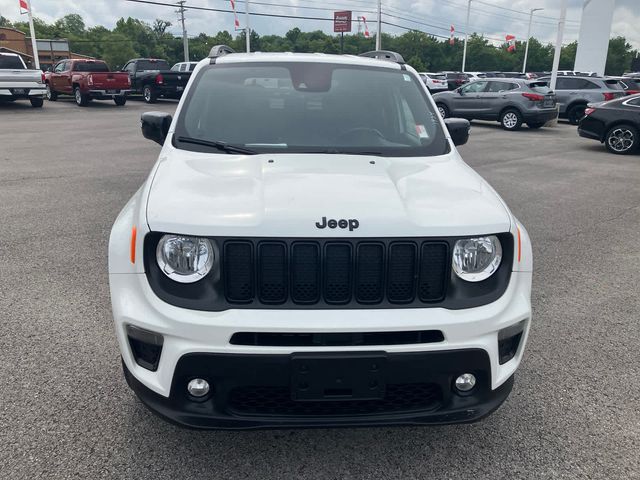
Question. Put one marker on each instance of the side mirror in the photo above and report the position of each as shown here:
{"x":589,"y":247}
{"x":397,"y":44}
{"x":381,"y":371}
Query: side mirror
{"x":458,"y":129}
{"x":460,"y":92}
{"x":155,"y":126}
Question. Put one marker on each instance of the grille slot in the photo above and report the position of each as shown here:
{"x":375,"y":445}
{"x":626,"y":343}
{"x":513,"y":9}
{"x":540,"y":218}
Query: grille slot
{"x":305,"y":273}
{"x":337,"y":273}
{"x":369,"y":273}
{"x":433,"y":268}
{"x":238,"y":271}
{"x":334,"y":272}
{"x":401,"y":282}
{"x":272,"y":281}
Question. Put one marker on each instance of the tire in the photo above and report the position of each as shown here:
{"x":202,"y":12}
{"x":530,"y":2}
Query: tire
{"x":37,"y":102}
{"x":535,"y":125}
{"x":443,"y":110}
{"x":82,"y":99}
{"x":149,"y":95}
{"x":51,"y":95}
{"x":120,"y":100}
{"x":575,"y":113}
{"x":511,"y":119}
{"x":622,"y":139}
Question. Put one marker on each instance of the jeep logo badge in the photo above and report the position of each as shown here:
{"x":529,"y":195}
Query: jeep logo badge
{"x":351,"y":224}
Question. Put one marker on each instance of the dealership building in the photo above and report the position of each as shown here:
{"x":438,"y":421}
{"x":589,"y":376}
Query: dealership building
{"x":49,"y":51}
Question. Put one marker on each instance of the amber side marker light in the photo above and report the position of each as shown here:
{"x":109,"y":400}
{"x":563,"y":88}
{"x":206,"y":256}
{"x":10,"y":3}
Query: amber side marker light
{"x":133,"y":244}
{"x":519,"y":244}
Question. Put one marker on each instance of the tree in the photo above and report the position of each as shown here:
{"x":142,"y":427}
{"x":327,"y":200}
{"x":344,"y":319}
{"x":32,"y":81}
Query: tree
{"x":619,"y":57}
{"x":69,"y":25}
{"x":160,"y":27}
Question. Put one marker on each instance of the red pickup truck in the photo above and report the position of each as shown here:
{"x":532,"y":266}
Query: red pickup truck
{"x":87,"y":80}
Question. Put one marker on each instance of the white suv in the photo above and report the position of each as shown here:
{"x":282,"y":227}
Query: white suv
{"x":311,"y":250}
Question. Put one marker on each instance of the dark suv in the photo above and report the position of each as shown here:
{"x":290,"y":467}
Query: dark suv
{"x":510,"y":101}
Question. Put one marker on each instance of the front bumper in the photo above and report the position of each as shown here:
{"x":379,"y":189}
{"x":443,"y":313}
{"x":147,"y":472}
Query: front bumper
{"x":206,"y":335}
{"x":253,"y":391}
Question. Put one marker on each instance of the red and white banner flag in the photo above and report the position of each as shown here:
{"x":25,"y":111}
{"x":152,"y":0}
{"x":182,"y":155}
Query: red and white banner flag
{"x":236,"y":22}
{"x":366,"y":27}
{"x":511,"y":43}
{"x":451,"y":39}
{"x":24,"y":6}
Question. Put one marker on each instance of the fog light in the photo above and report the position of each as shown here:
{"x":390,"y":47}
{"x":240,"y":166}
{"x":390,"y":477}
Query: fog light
{"x":198,"y":387}
{"x":466,"y":382}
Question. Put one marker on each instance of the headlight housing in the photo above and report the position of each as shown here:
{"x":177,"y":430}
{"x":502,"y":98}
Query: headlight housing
{"x":476,"y":259}
{"x":184,"y":259}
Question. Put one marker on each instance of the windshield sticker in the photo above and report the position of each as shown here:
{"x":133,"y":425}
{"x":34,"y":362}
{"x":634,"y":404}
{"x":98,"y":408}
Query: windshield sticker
{"x":407,"y":78}
{"x":422,"y":131}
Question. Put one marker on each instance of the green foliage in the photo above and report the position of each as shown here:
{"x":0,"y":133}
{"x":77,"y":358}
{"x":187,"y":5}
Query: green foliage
{"x":132,"y":38}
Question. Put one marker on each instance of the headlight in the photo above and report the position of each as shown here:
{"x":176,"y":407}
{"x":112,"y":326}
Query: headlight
{"x":476,"y":259}
{"x":184,"y":259}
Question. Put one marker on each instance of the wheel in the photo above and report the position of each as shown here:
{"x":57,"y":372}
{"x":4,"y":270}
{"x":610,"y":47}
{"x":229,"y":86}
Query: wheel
{"x":120,"y":100}
{"x":622,"y":139}
{"x":535,"y":125}
{"x":82,"y":100}
{"x":511,"y":120}
{"x":149,"y":95}
{"x":36,"y":102}
{"x":443,"y":110}
{"x":575,"y":113}
{"x":51,"y":95}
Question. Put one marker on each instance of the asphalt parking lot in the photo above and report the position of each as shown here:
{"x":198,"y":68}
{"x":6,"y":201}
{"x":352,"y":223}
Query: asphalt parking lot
{"x":65,"y":409}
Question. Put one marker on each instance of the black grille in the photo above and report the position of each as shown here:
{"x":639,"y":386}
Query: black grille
{"x":267,"y":400}
{"x":350,"y":339}
{"x":334,"y":272}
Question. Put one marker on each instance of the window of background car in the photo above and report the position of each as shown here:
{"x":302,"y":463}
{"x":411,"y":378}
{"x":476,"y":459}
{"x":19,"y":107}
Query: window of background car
{"x":501,"y":86}
{"x":10,"y":62}
{"x":90,"y":67}
{"x":613,"y":84}
{"x":474,"y":87}
{"x":147,"y":65}
{"x":313,"y":108}
{"x":634,"y":102}
{"x":541,"y":87}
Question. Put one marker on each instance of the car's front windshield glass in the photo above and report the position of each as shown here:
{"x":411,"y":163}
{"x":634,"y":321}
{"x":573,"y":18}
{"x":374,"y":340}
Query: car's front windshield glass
{"x":311,"y":108}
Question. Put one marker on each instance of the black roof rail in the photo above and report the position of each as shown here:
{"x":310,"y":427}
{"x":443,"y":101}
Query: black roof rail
{"x":220,"y":51}
{"x":385,"y":55}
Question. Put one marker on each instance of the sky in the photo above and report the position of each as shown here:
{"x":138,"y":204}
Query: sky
{"x":493,"y":18}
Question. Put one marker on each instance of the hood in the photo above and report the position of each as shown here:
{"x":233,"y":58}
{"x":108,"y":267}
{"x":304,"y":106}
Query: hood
{"x":295,"y":195}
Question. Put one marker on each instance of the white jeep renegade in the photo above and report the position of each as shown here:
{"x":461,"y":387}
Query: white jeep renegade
{"x":311,"y":250}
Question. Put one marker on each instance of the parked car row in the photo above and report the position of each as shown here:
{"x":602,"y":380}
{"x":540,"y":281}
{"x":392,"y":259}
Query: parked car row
{"x":86,"y":80}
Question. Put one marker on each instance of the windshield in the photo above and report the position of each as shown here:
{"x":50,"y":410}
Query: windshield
{"x":311,"y":108}
{"x":90,"y":67}
{"x":146,"y":65}
{"x":10,"y":62}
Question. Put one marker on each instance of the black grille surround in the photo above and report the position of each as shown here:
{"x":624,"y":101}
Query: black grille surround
{"x":329,"y":273}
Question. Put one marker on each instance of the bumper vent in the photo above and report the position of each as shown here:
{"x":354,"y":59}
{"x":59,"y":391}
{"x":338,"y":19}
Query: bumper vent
{"x":334,"y":272}
{"x":277,"y":401}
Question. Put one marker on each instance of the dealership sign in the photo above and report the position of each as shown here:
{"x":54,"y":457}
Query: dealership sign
{"x":342,"y":21}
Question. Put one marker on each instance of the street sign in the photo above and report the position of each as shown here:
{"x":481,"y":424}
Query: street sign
{"x":342,"y":21}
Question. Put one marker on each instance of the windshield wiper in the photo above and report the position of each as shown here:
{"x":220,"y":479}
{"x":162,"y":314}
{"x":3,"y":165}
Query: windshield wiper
{"x":224,"y":146}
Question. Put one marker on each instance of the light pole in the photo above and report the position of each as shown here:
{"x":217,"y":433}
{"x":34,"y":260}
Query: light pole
{"x":248,"y":29}
{"x":466,"y":36}
{"x":526,"y":50}
{"x":556,"y":55}
{"x":379,"y":35}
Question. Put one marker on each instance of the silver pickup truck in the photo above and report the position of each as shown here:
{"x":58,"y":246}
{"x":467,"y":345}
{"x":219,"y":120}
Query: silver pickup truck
{"x":17,"y":82}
